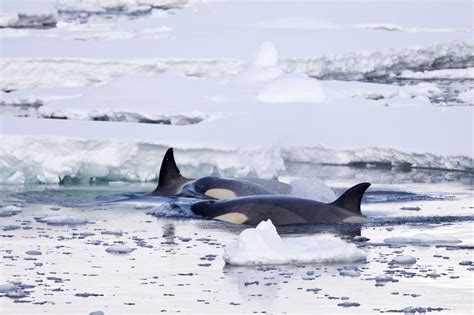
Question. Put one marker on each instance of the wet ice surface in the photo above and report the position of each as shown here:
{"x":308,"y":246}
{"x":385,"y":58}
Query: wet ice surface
{"x":126,"y":260}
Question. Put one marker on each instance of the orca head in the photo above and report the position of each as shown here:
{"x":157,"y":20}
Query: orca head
{"x":203,"y":208}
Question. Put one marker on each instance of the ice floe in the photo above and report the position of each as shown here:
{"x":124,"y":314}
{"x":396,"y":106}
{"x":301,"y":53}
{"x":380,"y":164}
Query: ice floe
{"x":422,"y":238}
{"x":9,"y":211}
{"x":116,"y":232}
{"x":20,"y":73}
{"x":403,"y":260}
{"x":119,"y":249}
{"x":262,"y":245}
{"x":61,"y":220}
{"x":140,"y":161}
{"x":8,"y":287}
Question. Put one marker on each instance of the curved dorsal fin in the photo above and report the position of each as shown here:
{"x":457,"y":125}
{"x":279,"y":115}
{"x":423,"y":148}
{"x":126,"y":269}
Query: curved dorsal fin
{"x":169,"y":171}
{"x":351,"y":198}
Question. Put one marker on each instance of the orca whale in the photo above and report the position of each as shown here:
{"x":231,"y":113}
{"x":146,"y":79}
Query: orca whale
{"x":172,"y":183}
{"x":283,"y":210}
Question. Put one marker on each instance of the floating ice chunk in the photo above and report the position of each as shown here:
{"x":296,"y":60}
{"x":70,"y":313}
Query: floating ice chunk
{"x":12,"y":208}
{"x":262,"y":245}
{"x":119,"y":249}
{"x":61,"y":220}
{"x":9,"y":211}
{"x":403,"y":260}
{"x":434,"y":274}
{"x":7,"y":287}
{"x":116,"y":232}
{"x":33,"y":252}
{"x":360,"y":239}
{"x":144,"y":206}
{"x":348,"y":304}
{"x":349,"y":273}
{"x":312,"y":188}
{"x":11,"y":227}
{"x":96,"y":313}
{"x":384,"y":278}
{"x":413,"y":310}
{"x":6,"y":213}
{"x":422,"y":238}
{"x":292,"y":89}
{"x":18,"y":294}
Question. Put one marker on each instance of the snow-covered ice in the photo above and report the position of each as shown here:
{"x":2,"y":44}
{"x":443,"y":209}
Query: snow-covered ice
{"x":262,"y":246}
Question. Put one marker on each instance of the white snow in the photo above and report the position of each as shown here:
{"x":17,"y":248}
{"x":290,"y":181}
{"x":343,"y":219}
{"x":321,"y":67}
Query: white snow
{"x":422,"y":238}
{"x":119,"y":249}
{"x":403,"y":260}
{"x":262,"y":245}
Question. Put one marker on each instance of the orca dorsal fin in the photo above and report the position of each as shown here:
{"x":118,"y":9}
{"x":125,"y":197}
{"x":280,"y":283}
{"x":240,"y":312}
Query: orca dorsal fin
{"x":351,"y":198}
{"x":169,"y":171}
